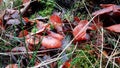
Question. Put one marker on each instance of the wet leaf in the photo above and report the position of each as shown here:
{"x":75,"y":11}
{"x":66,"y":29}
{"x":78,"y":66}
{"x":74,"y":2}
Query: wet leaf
{"x":55,"y":35}
{"x":50,"y":42}
{"x":114,"y":28}
{"x":55,"y":19}
{"x":107,"y":8}
{"x":77,"y":19}
{"x":23,"y":33}
{"x":13,"y":22}
{"x":83,"y":35}
{"x":67,"y":64}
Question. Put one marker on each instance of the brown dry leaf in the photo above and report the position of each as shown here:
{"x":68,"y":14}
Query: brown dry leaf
{"x":50,"y":42}
{"x":40,"y":25}
{"x":55,"y":35}
{"x":23,"y":33}
{"x":55,"y":20}
{"x":32,"y":41}
{"x":106,"y":5}
{"x":107,"y":8}
{"x":76,"y":19}
{"x":83,"y":35}
{"x":114,"y":28}
{"x":12,"y":66}
{"x":26,"y":19}
{"x":13,"y":22}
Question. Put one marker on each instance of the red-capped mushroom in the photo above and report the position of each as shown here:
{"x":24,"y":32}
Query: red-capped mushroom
{"x":50,"y":42}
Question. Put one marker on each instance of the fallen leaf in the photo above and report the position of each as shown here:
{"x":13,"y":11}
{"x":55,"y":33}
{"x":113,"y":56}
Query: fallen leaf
{"x":23,"y":33}
{"x":103,"y":11}
{"x":26,"y":19}
{"x":77,"y":19}
{"x":106,"y":5}
{"x":83,"y":35}
{"x":13,"y":22}
{"x":66,"y":64}
{"x":11,"y":14}
{"x":107,"y":8}
{"x":50,"y":42}
{"x":55,"y":20}
{"x":55,"y":35}
{"x":33,"y":40}
{"x":114,"y":28}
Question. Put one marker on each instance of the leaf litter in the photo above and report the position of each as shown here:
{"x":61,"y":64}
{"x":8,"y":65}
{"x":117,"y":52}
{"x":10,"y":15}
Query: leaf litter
{"x":51,"y":32}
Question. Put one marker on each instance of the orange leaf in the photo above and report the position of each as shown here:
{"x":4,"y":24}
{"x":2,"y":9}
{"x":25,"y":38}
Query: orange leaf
{"x":107,"y":8}
{"x":67,"y":64}
{"x":106,"y":5}
{"x":114,"y":28}
{"x":50,"y":42}
{"x":23,"y":33}
{"x":55,"y":35}
{"x":76,"y":31}
{"x":77,"y":19}
{"x":55,"y":19}
{"x":26,"y":19}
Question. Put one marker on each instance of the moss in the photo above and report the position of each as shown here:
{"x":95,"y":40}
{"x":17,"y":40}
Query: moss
{"x":48,"y":7}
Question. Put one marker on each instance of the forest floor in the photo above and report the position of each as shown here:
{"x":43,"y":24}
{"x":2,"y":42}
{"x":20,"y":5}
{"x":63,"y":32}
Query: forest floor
{"x":59,"y":34}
